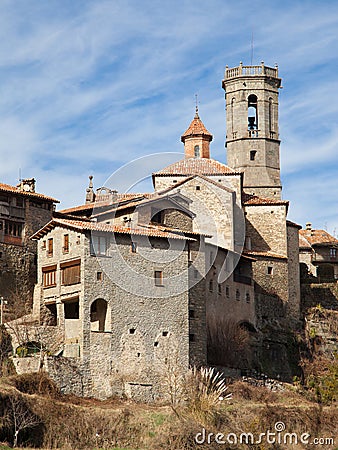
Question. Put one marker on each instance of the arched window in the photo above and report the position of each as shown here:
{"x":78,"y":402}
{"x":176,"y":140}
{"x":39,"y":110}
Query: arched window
{"x":98,"y":315}
{"x":270,"y":115}
{"x":252,"y":113}
{"x":232,"y":114}
{"x":197,"y":151}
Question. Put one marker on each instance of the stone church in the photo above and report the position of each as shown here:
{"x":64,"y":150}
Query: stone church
{"x":130,"y":285}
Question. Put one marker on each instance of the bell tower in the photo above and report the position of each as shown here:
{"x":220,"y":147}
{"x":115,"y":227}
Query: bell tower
{"x":252,"y":139}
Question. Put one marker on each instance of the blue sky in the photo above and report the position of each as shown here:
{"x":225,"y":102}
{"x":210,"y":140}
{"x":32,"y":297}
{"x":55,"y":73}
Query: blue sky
{"x":86,"y":86}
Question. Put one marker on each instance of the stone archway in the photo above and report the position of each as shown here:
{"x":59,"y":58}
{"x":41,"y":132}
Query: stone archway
{"x":99,"y":315}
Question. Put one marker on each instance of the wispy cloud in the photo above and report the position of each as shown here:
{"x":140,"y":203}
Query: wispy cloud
{"x":86,"y":86}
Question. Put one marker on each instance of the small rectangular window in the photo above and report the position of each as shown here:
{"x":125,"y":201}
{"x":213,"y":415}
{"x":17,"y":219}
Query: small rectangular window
{"x":99,"y":276}
{"x":158,"y":276}
{"x":66,"y":243}
{"x":270,"y":270}
{"x":253,"y":155}
{"x":198,"y":188}
{"x":227,"y":291}
{"x":191,"y":337}
{"x":211,"y":286}
{"x":50,"y":247}
{"x":133,"y":247}
{"x":219,"y":288}
{"x":333,"y":253}
{"x":191,"y":313}
{"x":19,"y":202}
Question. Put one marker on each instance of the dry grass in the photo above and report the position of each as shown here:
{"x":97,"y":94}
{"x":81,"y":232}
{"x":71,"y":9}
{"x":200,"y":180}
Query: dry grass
{"x":71,"y":423}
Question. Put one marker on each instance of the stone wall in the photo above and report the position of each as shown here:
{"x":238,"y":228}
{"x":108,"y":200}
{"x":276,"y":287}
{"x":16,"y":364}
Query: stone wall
{"x":293,"y":306}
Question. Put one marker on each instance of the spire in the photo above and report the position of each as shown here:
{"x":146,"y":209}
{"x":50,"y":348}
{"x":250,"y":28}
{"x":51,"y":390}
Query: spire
{"x":196,"y":138}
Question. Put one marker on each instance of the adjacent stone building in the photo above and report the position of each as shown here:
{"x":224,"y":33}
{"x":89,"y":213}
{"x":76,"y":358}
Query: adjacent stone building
{"x":22,"y":212}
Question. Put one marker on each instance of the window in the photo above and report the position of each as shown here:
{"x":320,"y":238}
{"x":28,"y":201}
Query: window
{"x":70,"y":272}
{"x":191,"y":313}
{"x":252,"y":113}
{"x":198,"y":188}
{"x":66,"y":243}
{"x":158,"y":277}
{"x":13,"y":228}
{"x":50,"y":247}
{"x":44,"y":245}
{"x":227,"y":291}
{"x":253,"y":155}
{"x":19,"y":202}
{"x":270,"y":270}
{"x":211,"y":286}
{"x":247,"y":297}
{"x":197,"y":151}
{"x":333,"y":253}
{"x":49,"y":276}
{"x":99,"y":245}
{"x":71,"y":308}
{"x":191,"y":337}
{"x":219,"y":288}
{"x":99,"y":276}
{"x":238,"y":295}
{"x":133,"y":247}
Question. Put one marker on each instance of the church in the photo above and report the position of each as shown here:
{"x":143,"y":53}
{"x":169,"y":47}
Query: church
{"x":131,"y":285}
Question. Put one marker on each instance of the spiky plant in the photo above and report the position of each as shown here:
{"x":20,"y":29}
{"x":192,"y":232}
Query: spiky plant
{"x":206,"y":390}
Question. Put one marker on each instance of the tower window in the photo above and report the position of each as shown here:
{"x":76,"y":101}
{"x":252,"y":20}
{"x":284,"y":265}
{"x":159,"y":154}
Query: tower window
{"x":197,"y":151}
{"x":270,"y":270}
{"x":252,"y":113}
{"x":253,"y":155}
{"x":238,"y":295}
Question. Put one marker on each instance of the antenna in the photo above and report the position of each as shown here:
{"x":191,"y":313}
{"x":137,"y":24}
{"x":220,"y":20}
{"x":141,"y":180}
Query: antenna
{"x":196,"y":105}
{"x":19,"y":174}
{"x":252,"y":46}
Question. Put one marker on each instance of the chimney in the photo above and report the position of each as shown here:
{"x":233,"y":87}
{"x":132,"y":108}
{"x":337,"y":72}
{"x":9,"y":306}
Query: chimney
{"x":308,"y":226}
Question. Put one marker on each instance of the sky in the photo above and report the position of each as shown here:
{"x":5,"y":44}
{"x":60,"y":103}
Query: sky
{"x":88,"y":86}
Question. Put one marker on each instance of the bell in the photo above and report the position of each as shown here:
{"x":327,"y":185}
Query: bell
{"x":252,"y":124}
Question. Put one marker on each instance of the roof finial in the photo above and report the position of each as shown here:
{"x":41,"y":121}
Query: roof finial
{"x":196,"y":107}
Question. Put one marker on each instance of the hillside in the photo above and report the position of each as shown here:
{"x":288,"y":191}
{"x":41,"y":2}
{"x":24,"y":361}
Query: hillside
{"x":73,"y":423}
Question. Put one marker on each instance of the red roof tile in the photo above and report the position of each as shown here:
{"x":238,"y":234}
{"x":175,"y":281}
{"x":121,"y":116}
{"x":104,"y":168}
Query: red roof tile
{"x":102,"y":227}
{"x":318,"y":237}
{"x":196,"y":166}
{"x":254,"y":200}
{"x":16,"y":190}
{"x":196,"y":128}
{"x":264,"y":254}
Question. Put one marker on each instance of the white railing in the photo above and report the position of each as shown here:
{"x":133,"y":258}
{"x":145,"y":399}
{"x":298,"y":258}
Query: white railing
{"x":251,"y":71}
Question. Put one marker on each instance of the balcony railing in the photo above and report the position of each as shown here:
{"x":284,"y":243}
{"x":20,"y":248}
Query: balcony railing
{"x":251,"y":71}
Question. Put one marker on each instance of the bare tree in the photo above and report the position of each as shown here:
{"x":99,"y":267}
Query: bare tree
{"x":19,"y":416}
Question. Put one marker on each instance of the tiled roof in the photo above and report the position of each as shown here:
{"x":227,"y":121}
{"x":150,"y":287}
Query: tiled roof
{"x":105,"y":228}
{"x":196,"y":166}
{"x":196,"y":128}
{"x":318,"y":237}
{"x":254,"y":200}
{"x":98,"y":204}
{"x":264,"y":254}
{"x":16,"y":190}
{"x":303,"y":243}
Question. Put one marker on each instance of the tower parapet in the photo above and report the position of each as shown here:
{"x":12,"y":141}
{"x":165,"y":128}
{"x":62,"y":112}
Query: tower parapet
{"x":252,"y":138}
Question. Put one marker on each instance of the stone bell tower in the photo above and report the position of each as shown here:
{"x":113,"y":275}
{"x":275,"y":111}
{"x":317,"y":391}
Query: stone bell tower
{"x":252,"y":138}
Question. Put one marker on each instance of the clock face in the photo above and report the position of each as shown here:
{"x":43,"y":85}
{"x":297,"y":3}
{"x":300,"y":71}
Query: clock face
{"x":26,"y":187}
